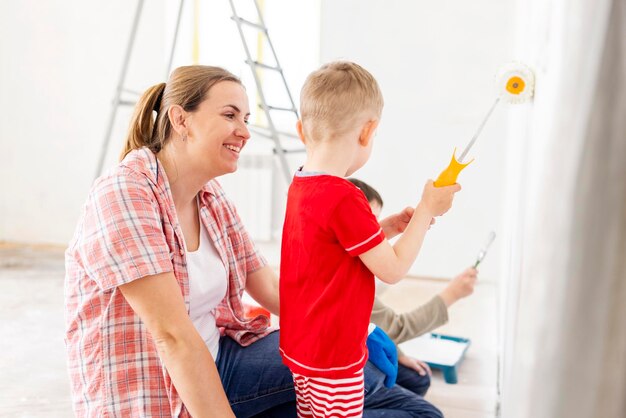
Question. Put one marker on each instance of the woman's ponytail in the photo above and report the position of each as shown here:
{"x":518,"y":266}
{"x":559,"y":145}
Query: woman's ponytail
{"x":142,"y":132}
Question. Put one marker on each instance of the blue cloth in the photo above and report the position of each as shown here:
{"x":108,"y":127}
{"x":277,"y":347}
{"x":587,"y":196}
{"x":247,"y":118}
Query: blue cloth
{"x":258,"y":384}
{"x":383,"y":353}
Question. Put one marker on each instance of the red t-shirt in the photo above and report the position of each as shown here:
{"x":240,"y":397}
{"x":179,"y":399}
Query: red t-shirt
{"x":326,"y":292}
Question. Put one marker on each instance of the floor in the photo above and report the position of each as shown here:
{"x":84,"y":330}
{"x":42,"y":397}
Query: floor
{"x":32,"y":364}
{"x":475,"y":394}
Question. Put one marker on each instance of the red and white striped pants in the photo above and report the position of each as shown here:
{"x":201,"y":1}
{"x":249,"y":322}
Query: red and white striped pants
{"x":319,"y":397}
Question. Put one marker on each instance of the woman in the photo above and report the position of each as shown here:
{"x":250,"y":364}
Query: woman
{"x":155,"y":272}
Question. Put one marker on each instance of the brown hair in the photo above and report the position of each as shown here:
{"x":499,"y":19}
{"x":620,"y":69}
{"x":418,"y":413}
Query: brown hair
{"x":370,"y":193}
{"x":187,"y":87}
{"x":337,"y":93}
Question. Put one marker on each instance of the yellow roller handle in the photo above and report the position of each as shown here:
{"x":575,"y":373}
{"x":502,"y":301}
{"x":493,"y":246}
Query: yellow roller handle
{"x":449,"y":175}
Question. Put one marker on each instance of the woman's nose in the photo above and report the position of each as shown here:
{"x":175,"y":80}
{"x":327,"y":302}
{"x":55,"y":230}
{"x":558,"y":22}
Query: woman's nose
{"x":242,"y":131}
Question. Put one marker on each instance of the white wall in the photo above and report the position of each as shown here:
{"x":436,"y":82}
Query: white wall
{"x":435,"y":62}
{"x":294,"y":31}
{"x":59,"y":66}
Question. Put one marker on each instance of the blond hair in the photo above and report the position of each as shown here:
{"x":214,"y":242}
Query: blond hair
{"x":336,"y":95}
{"x":187,"y":87}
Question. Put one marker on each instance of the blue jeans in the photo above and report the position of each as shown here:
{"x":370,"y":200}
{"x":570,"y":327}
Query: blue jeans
{"x":254,"y":378}
{"x":396,"y":402}
{"x":411,"y":380}
{"x":259,"y":385}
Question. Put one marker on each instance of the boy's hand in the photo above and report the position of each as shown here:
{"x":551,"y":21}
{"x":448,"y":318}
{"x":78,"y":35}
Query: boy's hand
{"x":461,"y":286}
{"x":383,"y":354}
{"x":438,"y":200}
{"x":396,"y":224}
{"x":412,"y":363}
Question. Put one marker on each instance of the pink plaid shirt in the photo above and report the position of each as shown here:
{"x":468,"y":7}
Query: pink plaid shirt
{"x":128,"y":230}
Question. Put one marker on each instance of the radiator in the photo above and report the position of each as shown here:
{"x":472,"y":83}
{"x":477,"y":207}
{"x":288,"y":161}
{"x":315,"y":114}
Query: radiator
{"x":251,"y":189}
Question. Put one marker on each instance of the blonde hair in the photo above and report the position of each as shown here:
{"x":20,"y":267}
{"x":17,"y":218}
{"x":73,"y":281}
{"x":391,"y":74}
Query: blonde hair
{"x":187,"y":87}
{"x":335,"y":95}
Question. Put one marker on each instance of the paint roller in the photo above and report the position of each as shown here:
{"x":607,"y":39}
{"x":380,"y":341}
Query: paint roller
{"x":515,"y":83}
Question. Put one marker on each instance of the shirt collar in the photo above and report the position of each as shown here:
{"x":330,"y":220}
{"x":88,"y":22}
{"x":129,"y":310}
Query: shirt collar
{"x":145,"y":161}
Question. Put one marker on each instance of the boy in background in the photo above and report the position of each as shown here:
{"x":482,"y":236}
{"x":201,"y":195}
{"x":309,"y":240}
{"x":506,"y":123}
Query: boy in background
{"x":333,"y":246}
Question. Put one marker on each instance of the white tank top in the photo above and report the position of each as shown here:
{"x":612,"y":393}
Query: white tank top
{"x":207,"y":288}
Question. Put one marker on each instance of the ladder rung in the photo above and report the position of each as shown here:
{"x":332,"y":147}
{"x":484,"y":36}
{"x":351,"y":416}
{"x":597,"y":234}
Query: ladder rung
{"x":127,"y":103}
{"x":266,"y":66}
{"x":281,"y":109}
{"x":265,"y":131}
{"x":290,"y":151}
{"x":247,"y":22}
{"x":136,"y":93}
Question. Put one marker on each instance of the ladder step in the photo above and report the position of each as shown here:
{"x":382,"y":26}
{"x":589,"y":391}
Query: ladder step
{"x":265,"y":132}
{"x":127,"y":103}
{"x":280,"y":109}
{"x":266,"y":66}
{"x":290,"y":151}
{"x":136,"y":93}
{"x":247,"y":22}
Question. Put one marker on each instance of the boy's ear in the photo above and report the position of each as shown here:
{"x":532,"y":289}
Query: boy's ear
{"x":300,"y":130}
{"x":178,"y":119}
{"x":367,"y":132}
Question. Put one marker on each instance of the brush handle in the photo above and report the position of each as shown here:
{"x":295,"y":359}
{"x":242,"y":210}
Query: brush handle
{"x":449,"y":175}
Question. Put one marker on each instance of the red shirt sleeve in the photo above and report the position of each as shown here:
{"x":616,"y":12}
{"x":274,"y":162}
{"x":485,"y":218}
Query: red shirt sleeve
{"x":355,"y":225}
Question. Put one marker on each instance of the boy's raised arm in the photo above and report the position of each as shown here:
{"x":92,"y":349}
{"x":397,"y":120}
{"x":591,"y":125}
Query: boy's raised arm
{"x":391,"y":263}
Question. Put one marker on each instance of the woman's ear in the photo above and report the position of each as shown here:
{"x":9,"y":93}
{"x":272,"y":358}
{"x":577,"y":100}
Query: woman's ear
{"x":300,"y":130}
{"x":367,"y":132}
{"x":178,"y":119}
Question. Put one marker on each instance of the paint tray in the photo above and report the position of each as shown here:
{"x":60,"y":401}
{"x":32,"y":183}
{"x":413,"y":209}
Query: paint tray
{"x":440,"y":351}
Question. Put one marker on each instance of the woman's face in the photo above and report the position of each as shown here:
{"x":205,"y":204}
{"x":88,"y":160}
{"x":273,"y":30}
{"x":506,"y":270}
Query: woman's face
{"x":217,"y":131}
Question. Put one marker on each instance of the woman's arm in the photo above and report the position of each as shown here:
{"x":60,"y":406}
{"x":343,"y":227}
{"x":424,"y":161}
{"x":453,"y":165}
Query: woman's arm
{"x":262,"y":285}
{"x":159,"y":303}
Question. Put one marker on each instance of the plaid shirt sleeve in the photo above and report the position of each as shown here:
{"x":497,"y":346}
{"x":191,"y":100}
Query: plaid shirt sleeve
{"x":123,"y":237}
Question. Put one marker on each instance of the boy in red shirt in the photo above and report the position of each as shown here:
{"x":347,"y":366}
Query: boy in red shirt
{"x":333,"y":245}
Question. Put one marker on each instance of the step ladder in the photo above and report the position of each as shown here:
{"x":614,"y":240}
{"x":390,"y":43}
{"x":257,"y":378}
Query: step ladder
{"x":256,"y":67}
{"x":128,"y":97}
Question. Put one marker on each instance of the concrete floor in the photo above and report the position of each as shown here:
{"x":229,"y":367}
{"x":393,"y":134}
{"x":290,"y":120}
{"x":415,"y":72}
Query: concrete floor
{"x":475,"y":395}
{"x":34,"y":380}
{"x":32,"y":362}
